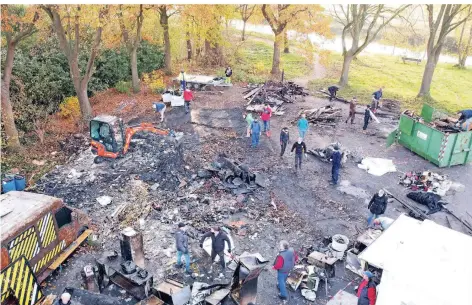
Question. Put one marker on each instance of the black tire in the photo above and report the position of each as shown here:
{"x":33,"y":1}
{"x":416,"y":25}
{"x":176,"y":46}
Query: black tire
{"x":98,"y":160}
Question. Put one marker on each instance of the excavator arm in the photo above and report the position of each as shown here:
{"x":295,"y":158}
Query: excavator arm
{"x":130,"y":131}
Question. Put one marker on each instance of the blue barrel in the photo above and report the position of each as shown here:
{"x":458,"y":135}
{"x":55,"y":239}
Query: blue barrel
{"x":20,"y":183}
{"x":8,"y":184}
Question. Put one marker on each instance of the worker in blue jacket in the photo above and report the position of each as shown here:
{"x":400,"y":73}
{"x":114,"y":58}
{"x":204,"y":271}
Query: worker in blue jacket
{"x":376,"y":96}
{"x":255,"y":132}
{"x":336,"y":160}
{"x":465,"y":115}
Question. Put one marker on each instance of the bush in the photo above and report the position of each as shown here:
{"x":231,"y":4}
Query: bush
{"x":155,"y":81}
{"x":150,"y":58}
{"x":123,"y":87}
{"x":70,"y":107}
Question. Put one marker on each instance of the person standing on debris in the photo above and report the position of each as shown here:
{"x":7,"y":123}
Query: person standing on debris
{"x":377,"y":206}
{"x":300,"y":150}
{"x":302,"y":126}
{"x":367,"y":291}
{"x":332,"y":92}
{"x":218,"y":239}
{"x":64,"y":299}
{"x":228,"y":73}
{"x":376,"y":96}
{"x":265,"y":117}
{"x":161,"y":108}
{"x":249,"y":119}
{"x":367,"y":117}
{"x":188,"y":97}
{"x":352,"y":110}
{"x":181,"y":241}
{"x":336,"y":158}
{"x":182,"y":79}
{"x":284,"y":138}
{"x":255,"y":132}
{"x":284,"y":263}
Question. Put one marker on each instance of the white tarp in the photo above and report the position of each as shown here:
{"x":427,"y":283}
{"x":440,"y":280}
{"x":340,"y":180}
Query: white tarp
{"x":428,"y":265}
{"x":377,"y":166}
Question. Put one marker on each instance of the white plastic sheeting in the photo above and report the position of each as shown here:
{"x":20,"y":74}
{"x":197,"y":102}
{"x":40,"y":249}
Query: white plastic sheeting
{"x":377,"y":166}
{"x":423,"y":264}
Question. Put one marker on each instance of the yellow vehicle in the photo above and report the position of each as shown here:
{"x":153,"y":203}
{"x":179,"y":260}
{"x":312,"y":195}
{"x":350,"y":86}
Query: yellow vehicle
{"x":38,"y":232}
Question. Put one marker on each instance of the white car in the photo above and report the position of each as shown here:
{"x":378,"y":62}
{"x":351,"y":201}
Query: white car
{"x":173,"y":98}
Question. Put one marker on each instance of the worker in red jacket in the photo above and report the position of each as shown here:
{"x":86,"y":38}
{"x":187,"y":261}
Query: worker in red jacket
{"x":284,"y":263}
{"x":188,"y":97}
{"x":367,"y":291}
{"x":265,"y":117}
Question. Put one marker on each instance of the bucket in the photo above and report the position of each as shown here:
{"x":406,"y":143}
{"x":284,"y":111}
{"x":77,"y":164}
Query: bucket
{"x":340,"y":242}
{"x":8,"y":184}
{"x":20,"y":183}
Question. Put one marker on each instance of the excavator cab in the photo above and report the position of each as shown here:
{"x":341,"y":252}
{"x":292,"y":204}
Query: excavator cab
{"x":107,"y":135}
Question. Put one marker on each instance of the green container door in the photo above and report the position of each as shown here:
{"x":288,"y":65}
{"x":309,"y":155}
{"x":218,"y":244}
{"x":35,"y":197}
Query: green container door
{"x":461,"y":149}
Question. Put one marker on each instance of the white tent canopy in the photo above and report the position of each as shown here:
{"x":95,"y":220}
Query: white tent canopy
{"x":423,"y":264}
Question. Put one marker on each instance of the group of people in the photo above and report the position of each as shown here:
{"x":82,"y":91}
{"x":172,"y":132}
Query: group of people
{"x":186,"y":92}
{"x":369,"y":110}
{"x":218,"y":238}
{"x":254,"y":130}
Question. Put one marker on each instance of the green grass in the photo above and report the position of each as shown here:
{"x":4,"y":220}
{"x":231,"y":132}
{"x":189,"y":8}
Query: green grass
{"x":450,"y":89}
{"x":254,"y":62}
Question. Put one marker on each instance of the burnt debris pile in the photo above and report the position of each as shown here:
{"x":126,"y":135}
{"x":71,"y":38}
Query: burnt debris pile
{"x":151,"y":158}
{"x":273,"y":93}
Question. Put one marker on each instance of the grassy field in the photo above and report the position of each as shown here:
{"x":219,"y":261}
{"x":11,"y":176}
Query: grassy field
{"x":450,"y":88}
{"x":253,"y":62}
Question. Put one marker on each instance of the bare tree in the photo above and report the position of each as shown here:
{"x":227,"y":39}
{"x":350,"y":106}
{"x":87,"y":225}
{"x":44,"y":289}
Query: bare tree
{"x":70,"y":46}
{"x":14,"y":30}
{"x":246,"y":12}
{"x":362,"y":22}
{"x":132,"y":44}
{"x":165,"y":12}
{"x":463,"y":48}
{"x":438,"y":30}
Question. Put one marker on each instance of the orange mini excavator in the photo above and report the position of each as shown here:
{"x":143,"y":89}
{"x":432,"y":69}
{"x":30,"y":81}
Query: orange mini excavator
{"x":111,"y":139}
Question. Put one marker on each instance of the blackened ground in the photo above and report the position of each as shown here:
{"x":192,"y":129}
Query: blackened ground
{"x":308,"y":208}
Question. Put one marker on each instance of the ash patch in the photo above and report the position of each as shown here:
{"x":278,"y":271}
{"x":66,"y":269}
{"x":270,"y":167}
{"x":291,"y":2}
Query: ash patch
{"x":151,"y":158}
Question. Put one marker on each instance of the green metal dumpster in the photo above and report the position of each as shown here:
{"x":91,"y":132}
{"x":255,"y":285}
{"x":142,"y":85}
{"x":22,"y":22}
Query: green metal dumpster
{"x":441,"y":148}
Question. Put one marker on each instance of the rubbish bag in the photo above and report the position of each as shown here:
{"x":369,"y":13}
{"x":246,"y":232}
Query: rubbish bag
{"x":431,"y":200}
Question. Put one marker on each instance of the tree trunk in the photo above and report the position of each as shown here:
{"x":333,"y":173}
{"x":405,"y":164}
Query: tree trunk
{"x":276,"y":58}
{"x":343,"y":81}
{"x":427,"y":76}
{"x":463,"y":55}
{"x":286,"y":44}
{"x":13,"y":141}
{"x":164,"y":20}
{"x":134,"y":69}
{"x":189,"y":47}
{"x":84,"y":102}
{"x":243,"y":37}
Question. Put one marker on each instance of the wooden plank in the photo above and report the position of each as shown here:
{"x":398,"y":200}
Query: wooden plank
{"x":255,"y":94}
{"x":64,"y":255}
{"x":254,"y":91}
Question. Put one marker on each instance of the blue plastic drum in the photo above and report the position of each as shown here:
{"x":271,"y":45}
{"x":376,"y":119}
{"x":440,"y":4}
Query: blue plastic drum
{"x":20,"y":183}
{"x":8,"y":184}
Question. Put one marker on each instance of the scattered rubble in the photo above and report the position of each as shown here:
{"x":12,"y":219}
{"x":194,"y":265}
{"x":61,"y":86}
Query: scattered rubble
{"x":429,"y":182}
{"x":273,"y":93}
